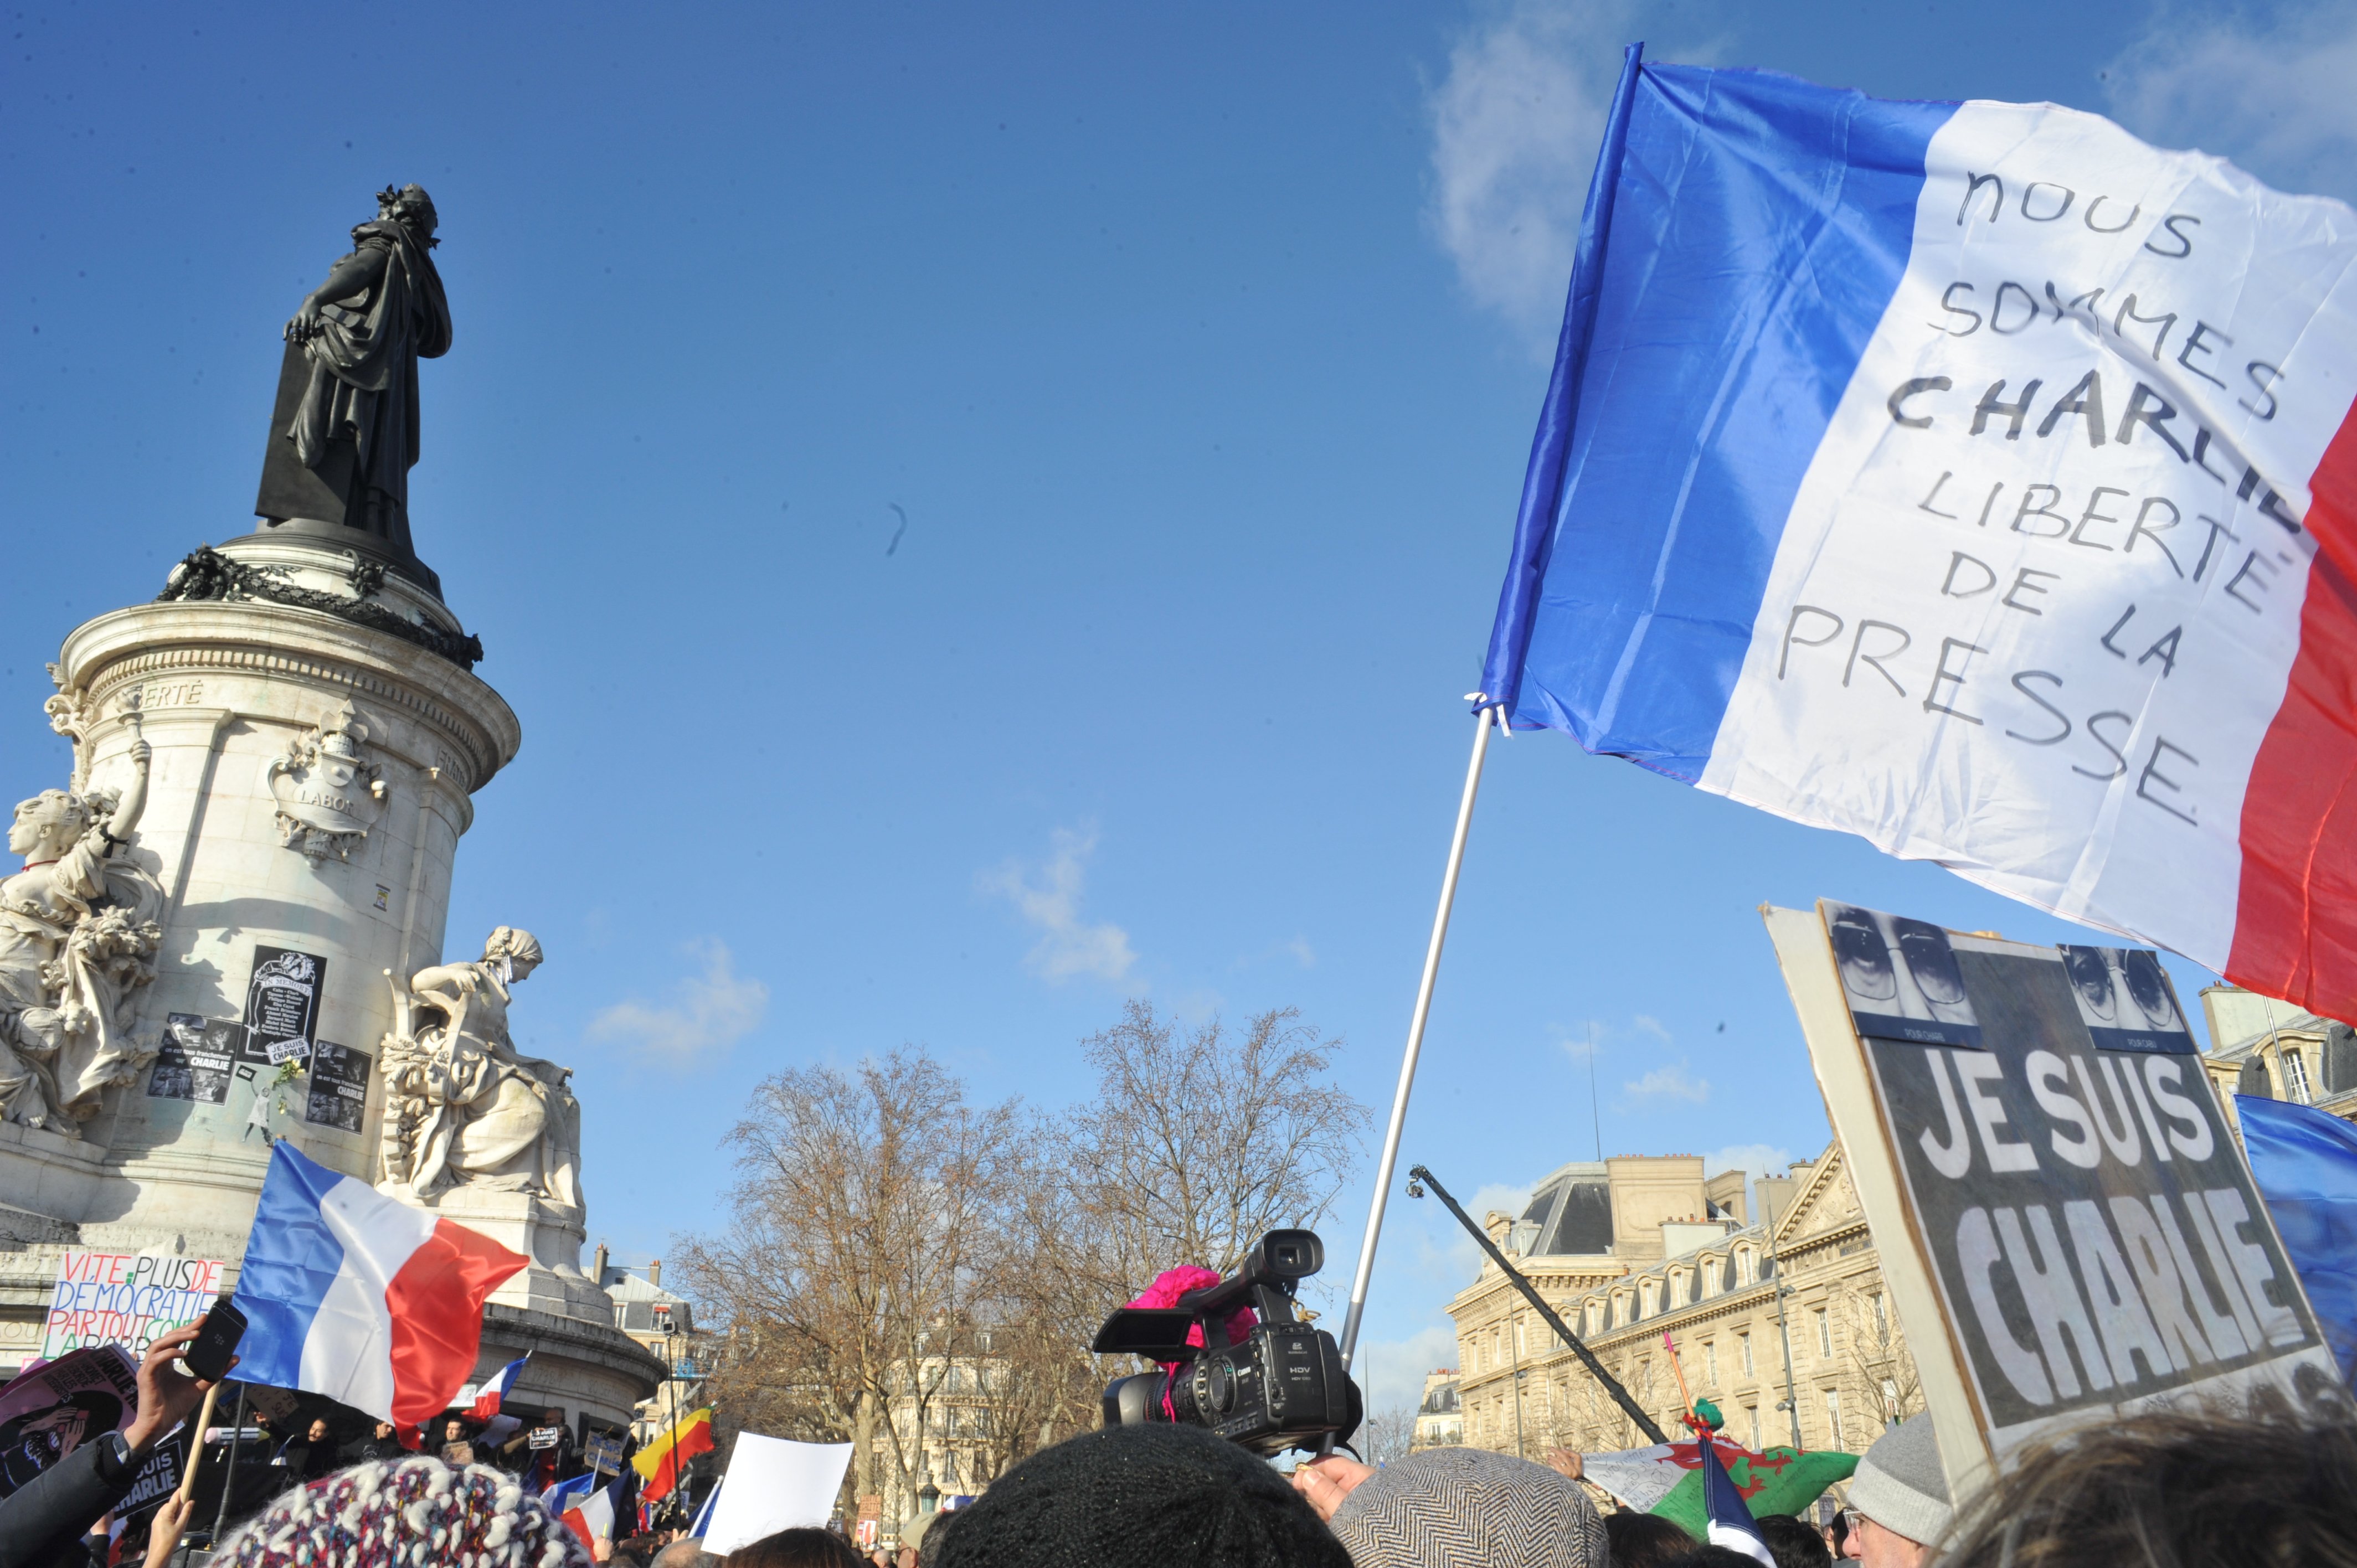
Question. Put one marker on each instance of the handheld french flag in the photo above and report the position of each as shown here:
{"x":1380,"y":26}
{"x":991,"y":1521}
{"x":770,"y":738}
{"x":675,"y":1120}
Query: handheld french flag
{"x":588,"y":1513}
{"x":1731,"y":1524}
{"x":1972,"y":478}
{"x":358,"y":1297}
{"x":492,"y":1396}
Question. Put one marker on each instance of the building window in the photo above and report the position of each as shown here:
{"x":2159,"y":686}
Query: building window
{"x":1595,"y":1318}
{"x":1881,"y":1318}
{"x":1710,"y":1362}
{"x":1824,"y":1338}
{"x":1743,"y":1349}
{"x":1751,"y":1417}
{"x":1833,"y":1419}
{"x":2295,"y":1070}
{"x":1890,"y":1402}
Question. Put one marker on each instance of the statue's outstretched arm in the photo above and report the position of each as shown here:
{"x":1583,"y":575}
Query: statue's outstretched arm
{"x":135,"y":799}
{"x":354,"y":273}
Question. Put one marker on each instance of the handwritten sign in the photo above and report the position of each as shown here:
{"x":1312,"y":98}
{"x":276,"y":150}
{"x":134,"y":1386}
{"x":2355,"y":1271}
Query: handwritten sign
{"x":126,"y":1299}
{"x":604,"y":1453}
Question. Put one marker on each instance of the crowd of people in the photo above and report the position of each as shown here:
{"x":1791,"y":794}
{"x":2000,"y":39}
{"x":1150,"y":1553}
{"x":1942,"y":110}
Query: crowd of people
{"x":2267,"y":1488}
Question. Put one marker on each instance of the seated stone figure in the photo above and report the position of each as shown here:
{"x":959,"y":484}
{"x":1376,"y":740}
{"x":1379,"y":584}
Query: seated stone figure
{"x":463,"y":1107}
{"x":77,"y":941}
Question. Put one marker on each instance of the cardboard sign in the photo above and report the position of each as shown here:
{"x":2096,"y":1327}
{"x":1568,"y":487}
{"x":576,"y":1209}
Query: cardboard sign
{"x":339,"y":1087}
{"x":604,"y":1453}
{"x":2082,"y":1235}
{"x":126,"y":1298}
{"x":458,"y":1452}
{"x":282,"y":1005}
{"x":277,"y":1405}
{"x":156,"y":1480}
{"x":46,"y":1414}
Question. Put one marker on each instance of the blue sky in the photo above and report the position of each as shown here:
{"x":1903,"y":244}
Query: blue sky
{"x":1198,"y":347}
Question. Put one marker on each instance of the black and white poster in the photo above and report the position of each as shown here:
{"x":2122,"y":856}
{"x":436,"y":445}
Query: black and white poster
{"x":340,"y":1086}
{"x":2126,"y":1001}
{"x":282,"y":1005}
{"x":194,"y":1058}
{"x":1900,"y":977}
{"x":2090,"y":1223}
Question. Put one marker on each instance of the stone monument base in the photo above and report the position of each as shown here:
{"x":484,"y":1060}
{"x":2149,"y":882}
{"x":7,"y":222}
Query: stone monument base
{"x":548,"y":1232}
{"x":584,"y":1368}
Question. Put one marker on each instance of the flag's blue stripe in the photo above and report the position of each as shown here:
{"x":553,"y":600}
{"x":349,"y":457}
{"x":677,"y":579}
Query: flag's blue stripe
{"x":2306,"y":1164}
{"x":291,"y":1259}
{"x":1755,"y":231}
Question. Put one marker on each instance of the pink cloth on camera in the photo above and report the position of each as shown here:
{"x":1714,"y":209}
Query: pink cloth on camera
{"x":1168,"y":1287}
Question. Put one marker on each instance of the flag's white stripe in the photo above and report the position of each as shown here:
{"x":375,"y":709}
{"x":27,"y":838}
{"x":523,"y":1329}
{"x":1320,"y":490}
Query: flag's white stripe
{"x":1734,"y":1540}
{"x":348,"y":1355}
{"x":2272,"y":273}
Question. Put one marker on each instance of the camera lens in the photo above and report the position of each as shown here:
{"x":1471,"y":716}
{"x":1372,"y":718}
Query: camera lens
{"x":1222,"y":1387}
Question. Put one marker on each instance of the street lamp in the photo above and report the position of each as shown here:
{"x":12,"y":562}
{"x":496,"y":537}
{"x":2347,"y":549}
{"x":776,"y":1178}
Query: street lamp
{"x":929,"y":1497}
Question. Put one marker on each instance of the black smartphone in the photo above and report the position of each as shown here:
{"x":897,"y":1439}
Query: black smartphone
{"x":208,"y":1355}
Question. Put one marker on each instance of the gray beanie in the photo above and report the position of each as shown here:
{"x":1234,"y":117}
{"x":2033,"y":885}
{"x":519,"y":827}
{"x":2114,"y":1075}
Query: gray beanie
{"x":1900,"y":1485}
{"x":1448,"y":1506}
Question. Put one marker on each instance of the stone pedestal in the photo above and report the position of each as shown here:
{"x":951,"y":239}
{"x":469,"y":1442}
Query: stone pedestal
{"x":313,"y":771}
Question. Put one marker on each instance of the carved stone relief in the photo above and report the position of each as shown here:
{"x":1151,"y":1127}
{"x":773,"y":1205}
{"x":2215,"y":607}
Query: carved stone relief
{"x":328,"y":794}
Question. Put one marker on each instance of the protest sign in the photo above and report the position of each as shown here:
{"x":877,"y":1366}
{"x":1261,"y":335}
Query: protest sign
{"x":340,"y":1086}
{"x":193,"y":1058}
{"x":127,"y":1298}
{"x":46,"y":1414}
{"x":156,"y":1480}
{"x":545,"y":1437}
{"x":776,"y":1484}
{"x":603,"y":1453}
{"x":2084,"y":1236}
{"x":282,"y":1005}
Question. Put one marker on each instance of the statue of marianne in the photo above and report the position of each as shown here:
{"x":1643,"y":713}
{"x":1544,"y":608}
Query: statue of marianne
{"x":344,"y":435}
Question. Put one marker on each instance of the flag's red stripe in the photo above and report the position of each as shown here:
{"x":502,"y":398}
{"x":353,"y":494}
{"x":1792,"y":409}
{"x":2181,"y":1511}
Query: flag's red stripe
{"x":2295,"y":922}
{"x":437,"y":1305}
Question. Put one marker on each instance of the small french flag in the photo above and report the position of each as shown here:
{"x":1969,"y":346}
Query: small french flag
{"x":358,"y":1297}
{"x":1731,"y":1525}
{"x":491,"y":1397}
{"x":586,"y":1507}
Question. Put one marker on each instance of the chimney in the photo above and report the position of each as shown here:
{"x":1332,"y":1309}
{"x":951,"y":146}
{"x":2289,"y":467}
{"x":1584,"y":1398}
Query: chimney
{"x":654,"y":1272}
{"x":598,"y":1266}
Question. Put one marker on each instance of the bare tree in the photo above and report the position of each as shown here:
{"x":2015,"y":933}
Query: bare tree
{"x":1386,"y":1435}
{"x":1879,"y":1357}
{"x":1201,"y":1139}
{"x":865,"y":1227}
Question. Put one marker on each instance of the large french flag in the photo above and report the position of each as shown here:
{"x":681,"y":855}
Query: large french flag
{"x":353,"y":1295}
{"x":1972,"y":478}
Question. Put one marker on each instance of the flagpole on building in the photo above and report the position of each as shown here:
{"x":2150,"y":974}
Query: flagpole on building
{"x":1482,"y":718}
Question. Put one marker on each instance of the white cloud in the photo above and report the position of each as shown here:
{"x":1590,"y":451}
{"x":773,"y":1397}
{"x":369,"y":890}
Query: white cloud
{"x":1048,"y":897}
{"x":2273,"y":97}
{"x":710,"y":1011}
{"x":1515,"y":123}
{"x":1755,"y":1161}
{"x":1390,"y":1372}
{"x":1671,"y":1081}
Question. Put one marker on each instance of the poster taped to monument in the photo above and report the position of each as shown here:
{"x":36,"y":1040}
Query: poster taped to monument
{"x":2060,"y":1204}
{"x":127,"y":1298}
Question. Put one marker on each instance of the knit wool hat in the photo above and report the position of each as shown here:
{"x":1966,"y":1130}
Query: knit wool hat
{"x":1900,"y":1485}
{"x":407,"y":1514}
{"x":1448,"y":1506}
{"x":1141,"y":1496}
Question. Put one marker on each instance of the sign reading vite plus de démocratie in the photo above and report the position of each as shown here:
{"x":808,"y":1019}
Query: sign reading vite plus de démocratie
{"x":2093,"y":1236}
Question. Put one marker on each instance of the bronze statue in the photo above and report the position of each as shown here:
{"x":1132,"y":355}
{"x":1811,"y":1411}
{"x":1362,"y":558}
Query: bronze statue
{"x":344,"y":434}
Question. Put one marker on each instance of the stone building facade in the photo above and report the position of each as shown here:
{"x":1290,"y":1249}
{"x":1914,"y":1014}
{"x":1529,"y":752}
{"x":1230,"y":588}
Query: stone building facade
{"x":1781,"y":1320}
{"x":1441,"y":1414}
{"x":2261,"y":1046}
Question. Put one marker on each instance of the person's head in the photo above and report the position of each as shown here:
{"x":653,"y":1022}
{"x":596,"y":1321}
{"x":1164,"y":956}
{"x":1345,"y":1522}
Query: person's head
{"x":1466,"y":1505}
{"x":2173,"y":1489}
{"x":453,"y":1430}
{"x":794,"y":1548}
{"x":384,"y":1429}
{"x":1793,"y":1543}
{"x":318,"y":1432}
{"x":688,"y":1552}
{"x":1901,"y":1496}
{"x":1645,"y":1539}
{"x":1141,"y":1496}
{"x":1714,"y":1557}
{"x":358,"y":1517}
{"x":551,"y":1416}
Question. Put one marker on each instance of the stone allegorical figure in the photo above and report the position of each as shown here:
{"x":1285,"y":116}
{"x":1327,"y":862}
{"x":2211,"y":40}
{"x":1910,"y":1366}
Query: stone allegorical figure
{"x":77,"y":941}
{"x":463,"y":1106}
{"x":344,"y":434}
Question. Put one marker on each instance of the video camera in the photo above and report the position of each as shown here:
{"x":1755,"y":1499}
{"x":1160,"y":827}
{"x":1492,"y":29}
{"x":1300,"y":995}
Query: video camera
{"x":1281,"y":1386}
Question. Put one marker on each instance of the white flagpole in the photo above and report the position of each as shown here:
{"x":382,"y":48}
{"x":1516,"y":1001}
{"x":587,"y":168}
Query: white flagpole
{"x":1481,"y":721}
